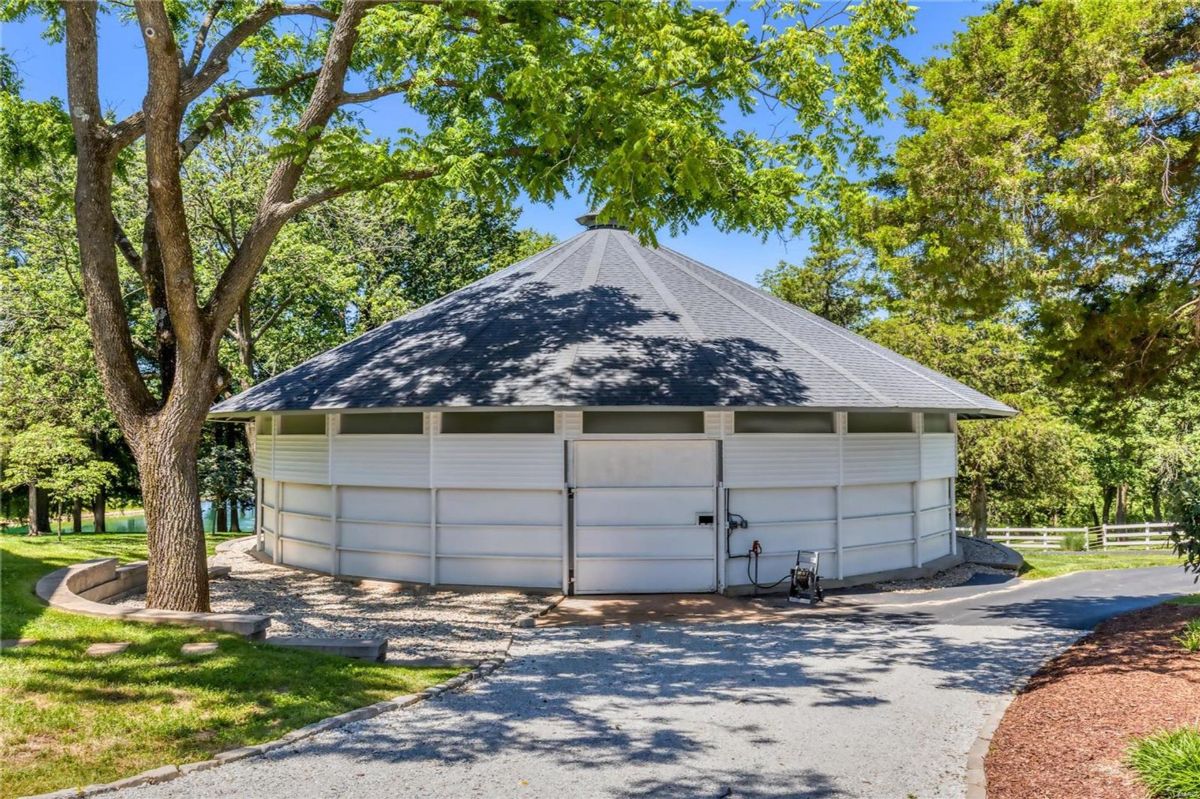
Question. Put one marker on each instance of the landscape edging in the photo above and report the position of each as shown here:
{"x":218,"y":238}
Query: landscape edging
{"x":171,"y":772}
{"x":977,"y":754}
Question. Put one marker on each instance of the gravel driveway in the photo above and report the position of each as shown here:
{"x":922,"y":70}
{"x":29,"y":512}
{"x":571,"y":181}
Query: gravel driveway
{"x":873,"y":703}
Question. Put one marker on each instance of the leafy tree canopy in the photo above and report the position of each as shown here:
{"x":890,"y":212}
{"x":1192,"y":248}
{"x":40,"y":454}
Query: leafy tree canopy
{"x":1052,"y":170}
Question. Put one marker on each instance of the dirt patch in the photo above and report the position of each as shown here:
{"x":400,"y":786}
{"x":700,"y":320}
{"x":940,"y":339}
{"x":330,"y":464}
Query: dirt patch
{"x":1067,"y":734}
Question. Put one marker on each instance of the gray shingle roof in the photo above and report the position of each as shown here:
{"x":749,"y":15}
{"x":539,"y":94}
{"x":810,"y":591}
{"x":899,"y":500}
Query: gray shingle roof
{"x":600,"y":320}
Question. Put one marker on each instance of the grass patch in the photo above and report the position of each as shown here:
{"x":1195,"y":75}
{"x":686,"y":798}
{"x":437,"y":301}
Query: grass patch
{"x":67,"y":719}
{"x":1039,"y":565}
{"x":1169,"y":763}
{"x":1190,"y":599}
{"x":1189,"y":639}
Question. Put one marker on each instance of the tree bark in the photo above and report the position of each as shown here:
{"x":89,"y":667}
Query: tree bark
{"x":178,"y":565}
{"x":77,"y":516}
{"x":235,"y":510}
{"x":99,"y":509}
{"x":1156,"y":501}
{"x":1122,"y":503}
{"x":979,"y":507}
{"x":1106,"y":511}
{"x":220,"y":525}
{"x":34,"y":516}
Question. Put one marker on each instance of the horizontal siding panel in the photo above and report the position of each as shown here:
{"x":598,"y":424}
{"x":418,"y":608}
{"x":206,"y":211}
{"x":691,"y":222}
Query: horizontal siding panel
{"x":303,"y":459}
{"x":306,"y":556}
{"x":370,"y":460}
{"x":877,"y":559}
{"x":498,"y":461}
{"x":763,"y":505}
{"x":937,"y":455}
{"x":264,"y":446}
{"x":306,"y":527}
{"x":787,"y":540}
{"x":540,"y":542}
{"x":405,"y":568}
{"x":870,"y":500}
{"x":481,"y":506}
{"x":781,"y":460}
{"x":935,"y":547}
{"x":383,"y":504}
{"x":595,"y":575}
{"x":689,"y":542}
{"x":935,"y":493}
{"x":307,"y":498}
{"x":880,"y":458}
{"x":395,"y":538}
{"x":500,"y":572}
{"x":856,"y":532}
{"x":639,"y":507}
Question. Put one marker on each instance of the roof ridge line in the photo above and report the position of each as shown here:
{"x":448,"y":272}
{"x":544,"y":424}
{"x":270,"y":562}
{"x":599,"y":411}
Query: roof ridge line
{"x":590,"y":273}
{"x":790,"y":337}
{"x":847,"y":335}
{"x":664,"y":293}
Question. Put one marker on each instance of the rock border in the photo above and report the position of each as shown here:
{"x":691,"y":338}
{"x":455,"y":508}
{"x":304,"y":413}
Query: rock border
{"x":170,"y":772}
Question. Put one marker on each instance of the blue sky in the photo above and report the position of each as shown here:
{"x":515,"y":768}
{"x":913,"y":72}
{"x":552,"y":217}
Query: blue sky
{"x":122,"y":74}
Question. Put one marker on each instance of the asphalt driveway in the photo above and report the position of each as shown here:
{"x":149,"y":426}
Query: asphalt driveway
{"x":880,"y":698}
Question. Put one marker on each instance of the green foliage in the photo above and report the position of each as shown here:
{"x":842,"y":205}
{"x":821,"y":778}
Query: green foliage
{"x":832,"y":282}
{"x":1189,"y":639}
{"x":55,"y":459}
{"x":1169,"y":763}
{"x":1074,"y":542}
{"x":1051,"y":169}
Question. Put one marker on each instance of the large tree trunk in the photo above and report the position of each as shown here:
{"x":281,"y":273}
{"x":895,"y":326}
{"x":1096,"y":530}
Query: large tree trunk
{"x":36,"y":526}
{"x":1110,"y":493}
{"x":1156,"y":502}
{"x":979,"y":507}
{"x":1122,"y":503}
{"x":99,"y":509}
{"x":235,"y":510}
{"x":77,"y":516}
{"x":178,"y":566}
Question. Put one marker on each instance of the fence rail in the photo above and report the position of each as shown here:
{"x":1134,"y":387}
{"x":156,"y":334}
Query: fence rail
{"x":1144,"y":535}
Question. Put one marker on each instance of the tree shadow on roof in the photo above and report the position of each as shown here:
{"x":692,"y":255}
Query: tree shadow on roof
{"x":523,"y":343}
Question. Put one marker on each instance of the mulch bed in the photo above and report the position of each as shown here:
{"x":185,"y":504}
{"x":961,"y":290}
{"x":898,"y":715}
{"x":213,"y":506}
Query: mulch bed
{"x":1066,"y":736}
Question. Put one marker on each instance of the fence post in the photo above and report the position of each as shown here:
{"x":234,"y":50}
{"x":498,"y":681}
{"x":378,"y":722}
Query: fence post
{"x":1087,"y":539}
{"x":1045,"y":539}
{"x":1147,"y":535}
{"x":1104,"y":536}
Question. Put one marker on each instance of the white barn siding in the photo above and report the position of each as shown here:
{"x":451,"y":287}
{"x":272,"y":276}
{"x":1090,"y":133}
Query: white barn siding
{"x":780,"y":460}
{"x":495,"y":461}
{"x":880,"y":458}
{"x":380,"y":460}
{"x":264,"y":449}
{"x":302,"y":459}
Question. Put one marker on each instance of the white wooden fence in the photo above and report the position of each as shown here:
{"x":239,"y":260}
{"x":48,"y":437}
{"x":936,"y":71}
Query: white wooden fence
{"x":1144,"y":535}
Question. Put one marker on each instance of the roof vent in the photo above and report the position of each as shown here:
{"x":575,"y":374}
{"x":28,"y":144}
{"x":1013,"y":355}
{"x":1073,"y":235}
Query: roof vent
{"x":590,"y":221}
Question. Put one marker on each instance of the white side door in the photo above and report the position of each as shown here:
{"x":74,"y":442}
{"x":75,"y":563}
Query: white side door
{"x":644,"y":513}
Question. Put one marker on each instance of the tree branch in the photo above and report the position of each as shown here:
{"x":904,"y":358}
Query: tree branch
{"x":201,"y":36}
{"x":220,"y":115}
{"x":238,"y":276}
{"x":163,"y":111}
{"x":112,"y":344}
{"x":129,"y":129}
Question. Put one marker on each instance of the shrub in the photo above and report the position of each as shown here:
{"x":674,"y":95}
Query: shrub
{"x":1190,"y":638}
{"x":1169,"y":763}
{"x":1074,"y":542}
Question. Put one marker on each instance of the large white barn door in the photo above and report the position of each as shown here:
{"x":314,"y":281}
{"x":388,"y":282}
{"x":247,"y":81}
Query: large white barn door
{"x":644,"y":512}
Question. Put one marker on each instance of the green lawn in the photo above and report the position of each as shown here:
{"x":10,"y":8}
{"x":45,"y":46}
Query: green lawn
{"x":1039,"y":565}
{"x":1190,"y":599}
{"x":67,"y":719}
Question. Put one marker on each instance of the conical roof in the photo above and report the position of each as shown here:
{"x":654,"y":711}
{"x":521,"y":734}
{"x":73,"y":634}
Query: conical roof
{"x":600,"y":320}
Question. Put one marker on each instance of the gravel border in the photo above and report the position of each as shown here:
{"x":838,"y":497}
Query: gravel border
{"x":171,"y":772}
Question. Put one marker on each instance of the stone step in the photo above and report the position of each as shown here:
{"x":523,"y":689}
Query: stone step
{"x":16,"y":643}
{"x":199,"y":648}
{"x":359,"y":648}
{"x":106,"y":648}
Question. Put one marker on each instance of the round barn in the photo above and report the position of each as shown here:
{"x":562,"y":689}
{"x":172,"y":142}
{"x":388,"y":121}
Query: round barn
{"x":605,"y":418}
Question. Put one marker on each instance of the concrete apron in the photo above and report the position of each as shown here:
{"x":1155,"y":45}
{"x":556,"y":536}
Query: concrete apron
{"x":627,"y":609}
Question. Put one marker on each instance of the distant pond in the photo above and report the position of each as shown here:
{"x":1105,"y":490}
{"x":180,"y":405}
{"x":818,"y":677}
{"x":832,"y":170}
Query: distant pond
{"x":135,"y":522}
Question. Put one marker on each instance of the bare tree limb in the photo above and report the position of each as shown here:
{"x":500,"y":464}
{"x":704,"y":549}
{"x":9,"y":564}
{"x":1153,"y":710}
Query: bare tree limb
{"x":201,"y":35}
